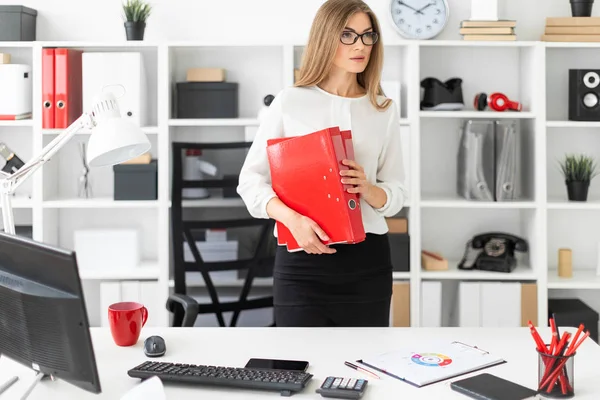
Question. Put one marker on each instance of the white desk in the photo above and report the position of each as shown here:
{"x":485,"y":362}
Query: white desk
{"x":325,"y":349}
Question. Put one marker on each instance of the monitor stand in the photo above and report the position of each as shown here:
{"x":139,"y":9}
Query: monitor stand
{"x":38,"y":377}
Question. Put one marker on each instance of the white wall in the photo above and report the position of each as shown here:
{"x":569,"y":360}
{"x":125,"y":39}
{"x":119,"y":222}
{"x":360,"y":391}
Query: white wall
{"x":265,"y":20}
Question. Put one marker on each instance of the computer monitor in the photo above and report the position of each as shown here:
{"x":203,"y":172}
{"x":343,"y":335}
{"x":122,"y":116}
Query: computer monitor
{"x":43,"y":318}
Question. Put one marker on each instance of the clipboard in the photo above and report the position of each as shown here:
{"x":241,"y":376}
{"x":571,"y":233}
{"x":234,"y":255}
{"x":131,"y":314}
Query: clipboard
{"x":428,"y":363}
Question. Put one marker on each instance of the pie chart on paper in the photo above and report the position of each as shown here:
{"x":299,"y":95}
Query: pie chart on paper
{"x":431,"y":359}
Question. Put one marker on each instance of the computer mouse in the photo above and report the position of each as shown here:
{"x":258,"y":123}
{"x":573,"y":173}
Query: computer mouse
{"x":154,"y":346}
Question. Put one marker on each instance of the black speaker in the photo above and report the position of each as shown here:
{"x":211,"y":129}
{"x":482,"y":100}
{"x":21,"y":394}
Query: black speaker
{"x":584,"y":94}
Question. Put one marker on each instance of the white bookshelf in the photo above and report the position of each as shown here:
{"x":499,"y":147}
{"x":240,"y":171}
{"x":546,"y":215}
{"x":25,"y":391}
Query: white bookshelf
{"x":534,"y":73}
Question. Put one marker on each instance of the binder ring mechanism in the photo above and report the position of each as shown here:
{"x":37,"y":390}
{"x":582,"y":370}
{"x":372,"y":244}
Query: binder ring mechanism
{"x":352,"y":204}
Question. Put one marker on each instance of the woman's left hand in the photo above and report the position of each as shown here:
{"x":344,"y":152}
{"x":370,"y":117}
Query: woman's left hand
{"x":355,"y":176}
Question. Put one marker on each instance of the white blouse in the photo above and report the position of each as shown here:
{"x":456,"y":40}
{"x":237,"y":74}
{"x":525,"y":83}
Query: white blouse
{"x":375,"y":135}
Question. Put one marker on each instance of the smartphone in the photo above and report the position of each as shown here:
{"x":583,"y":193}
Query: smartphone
{"x":488,"y":386}
{"x":288,"y":365}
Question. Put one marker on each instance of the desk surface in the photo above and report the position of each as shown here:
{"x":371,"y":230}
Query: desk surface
{"x":326,"y":349}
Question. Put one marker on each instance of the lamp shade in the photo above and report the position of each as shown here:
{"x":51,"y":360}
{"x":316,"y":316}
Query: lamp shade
{"x":114,"y":139}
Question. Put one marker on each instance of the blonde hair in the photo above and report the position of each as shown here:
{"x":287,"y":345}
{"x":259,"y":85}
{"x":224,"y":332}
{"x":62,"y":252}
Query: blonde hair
{"x":324,"y":38}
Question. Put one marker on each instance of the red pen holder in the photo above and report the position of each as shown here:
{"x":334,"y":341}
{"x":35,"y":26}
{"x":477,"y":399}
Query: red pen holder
{"x":556,"y":376}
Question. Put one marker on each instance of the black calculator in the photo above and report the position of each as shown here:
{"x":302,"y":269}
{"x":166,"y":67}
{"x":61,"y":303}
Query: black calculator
{"x":343,"y":388}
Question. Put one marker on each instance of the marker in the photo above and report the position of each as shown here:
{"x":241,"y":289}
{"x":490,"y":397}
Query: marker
{"x":8,"y":384}
{"x":356,"y":367}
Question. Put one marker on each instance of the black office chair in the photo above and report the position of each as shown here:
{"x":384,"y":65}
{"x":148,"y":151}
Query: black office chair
{"x":185,"y":309}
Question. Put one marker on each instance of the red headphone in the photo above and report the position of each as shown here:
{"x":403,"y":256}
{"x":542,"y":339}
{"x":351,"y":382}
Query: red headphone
{"x":496,"y":101}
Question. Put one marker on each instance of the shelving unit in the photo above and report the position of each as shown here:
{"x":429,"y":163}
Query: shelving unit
{"x":534,"y":73}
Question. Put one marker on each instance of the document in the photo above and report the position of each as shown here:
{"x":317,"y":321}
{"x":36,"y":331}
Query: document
{"x":424,"y":364}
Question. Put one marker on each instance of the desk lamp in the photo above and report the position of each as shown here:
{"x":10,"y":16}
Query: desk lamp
{"x":113,"y":141}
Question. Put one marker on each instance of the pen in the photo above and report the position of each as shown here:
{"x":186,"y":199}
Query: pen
{"x":356,"y":367}
{"x":8,"y":384}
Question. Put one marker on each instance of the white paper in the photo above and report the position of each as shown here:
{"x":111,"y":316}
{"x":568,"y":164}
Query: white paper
{"x":422,"y":364}
{"x":150,"y":389}
{"x":484,"y":10}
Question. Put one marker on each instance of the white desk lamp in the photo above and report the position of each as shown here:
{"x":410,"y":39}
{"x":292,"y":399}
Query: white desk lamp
{"x":113,"y":141}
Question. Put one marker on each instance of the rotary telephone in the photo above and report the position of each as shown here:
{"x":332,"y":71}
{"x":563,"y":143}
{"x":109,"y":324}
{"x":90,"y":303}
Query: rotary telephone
{"x":493,"y":251}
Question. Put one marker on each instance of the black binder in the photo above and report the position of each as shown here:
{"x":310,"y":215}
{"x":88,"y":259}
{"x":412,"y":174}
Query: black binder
{"x":491,"y":387}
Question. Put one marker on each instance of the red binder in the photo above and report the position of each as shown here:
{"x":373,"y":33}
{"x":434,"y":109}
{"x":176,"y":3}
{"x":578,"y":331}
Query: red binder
{"x":68,"y":98}
{"x":47,"y":88}
{"x":305,"y":175}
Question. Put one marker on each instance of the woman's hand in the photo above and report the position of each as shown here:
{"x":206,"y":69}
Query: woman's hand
{"x":356,"y":176}
{"x":309,"y":235}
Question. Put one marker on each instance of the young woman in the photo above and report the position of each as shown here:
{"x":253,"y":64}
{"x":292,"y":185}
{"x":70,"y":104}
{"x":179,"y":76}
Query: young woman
{"x":345,"y":284}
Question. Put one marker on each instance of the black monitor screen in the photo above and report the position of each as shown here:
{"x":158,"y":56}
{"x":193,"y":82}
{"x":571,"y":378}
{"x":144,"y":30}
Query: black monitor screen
{"x":43,"y":319}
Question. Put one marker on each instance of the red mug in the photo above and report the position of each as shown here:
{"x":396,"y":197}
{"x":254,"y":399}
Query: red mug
{"x":126,"y":320}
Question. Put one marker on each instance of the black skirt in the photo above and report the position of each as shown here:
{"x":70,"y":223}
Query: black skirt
{"x":356,"y":273}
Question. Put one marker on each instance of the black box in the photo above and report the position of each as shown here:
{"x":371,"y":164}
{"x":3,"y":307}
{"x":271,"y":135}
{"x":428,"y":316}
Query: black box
{"x":17,"y":24}
{"x":136,"y":181}
{"x":572,"y":312}
{"x":400,"y":251}
{"x":207,"y":100}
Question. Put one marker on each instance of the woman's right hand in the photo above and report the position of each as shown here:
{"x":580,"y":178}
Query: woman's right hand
{"x":309,"y":235}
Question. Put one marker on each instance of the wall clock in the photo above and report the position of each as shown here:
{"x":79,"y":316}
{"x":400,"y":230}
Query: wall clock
{"x":419,"y":19}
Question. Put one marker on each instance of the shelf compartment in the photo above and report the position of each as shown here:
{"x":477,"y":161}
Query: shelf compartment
{"x":506,"y":68}
{"x":61,"y":177}
{"x":581,"y":279}
{"x":560,"y":142}
{"x":439,"y":148}
{"x":444,"y":231}
{"x":560,"y":57}
{"x":257,"y":69}
{"x":577,"y":231}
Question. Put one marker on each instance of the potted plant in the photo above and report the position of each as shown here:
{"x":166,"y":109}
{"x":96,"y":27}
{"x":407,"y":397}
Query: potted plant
{"x":581,"y":8}
{"x":578,"y":171}
{"x":135,"y":13}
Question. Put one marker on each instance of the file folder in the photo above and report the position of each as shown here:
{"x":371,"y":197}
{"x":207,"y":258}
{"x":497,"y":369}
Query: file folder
{"x":67,"y":87}
{"x":305,"y":175}
{"x":47,"y":88}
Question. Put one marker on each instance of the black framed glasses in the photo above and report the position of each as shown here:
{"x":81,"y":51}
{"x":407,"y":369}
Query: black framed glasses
{"x":368,"y":38}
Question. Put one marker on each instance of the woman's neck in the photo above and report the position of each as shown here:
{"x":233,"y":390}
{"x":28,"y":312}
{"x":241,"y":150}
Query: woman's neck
{"x":342,"y":83}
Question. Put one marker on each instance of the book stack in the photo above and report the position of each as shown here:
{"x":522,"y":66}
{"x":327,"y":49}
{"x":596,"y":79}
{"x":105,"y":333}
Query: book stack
{"x":572,"y":29}
{"x":488,"y":30}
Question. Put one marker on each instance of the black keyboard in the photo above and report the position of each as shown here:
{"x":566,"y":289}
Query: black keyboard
{"x":286,"y":382}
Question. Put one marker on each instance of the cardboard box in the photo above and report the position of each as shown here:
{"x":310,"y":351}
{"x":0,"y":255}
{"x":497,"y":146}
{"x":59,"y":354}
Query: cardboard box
{"x":529,"y":305}
{"x":432,"y":261}
{"x":206,"y":75}
{"x":400,"y":306}
{"x":397,"y":225}
{"x":4,"y":58}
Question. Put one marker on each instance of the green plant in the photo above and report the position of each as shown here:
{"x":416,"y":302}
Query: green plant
{"x":136,"y":11}
{"x":578,"y":168}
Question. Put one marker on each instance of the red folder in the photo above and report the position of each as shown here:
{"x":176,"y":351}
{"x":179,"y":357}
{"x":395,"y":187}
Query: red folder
{"x":67,"y":87}
{"x":47,"y":88}
{"x":305,"y":175}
